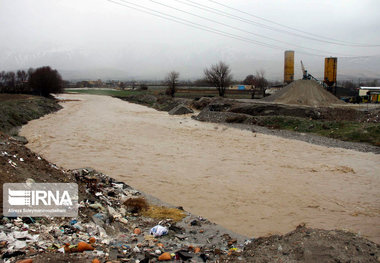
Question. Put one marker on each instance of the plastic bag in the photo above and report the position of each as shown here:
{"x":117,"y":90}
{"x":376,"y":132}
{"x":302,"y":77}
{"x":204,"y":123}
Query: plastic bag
{"x":158,"y":231}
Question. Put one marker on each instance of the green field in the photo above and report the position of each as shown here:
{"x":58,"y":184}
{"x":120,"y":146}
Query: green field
{"x":118,"y":93}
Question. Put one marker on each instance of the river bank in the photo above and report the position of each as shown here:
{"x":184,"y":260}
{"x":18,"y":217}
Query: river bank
{"x":344,"y":126}
{"x":17,"y":109}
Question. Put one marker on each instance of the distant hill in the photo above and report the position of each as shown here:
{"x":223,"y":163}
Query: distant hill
{"x":93,"y":74}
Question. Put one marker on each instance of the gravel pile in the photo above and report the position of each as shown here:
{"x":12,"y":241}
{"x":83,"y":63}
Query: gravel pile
{"x":304,"y":92}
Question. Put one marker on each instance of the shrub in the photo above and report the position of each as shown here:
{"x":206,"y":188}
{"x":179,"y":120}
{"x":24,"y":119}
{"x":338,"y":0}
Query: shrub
{"x":45,"y":80}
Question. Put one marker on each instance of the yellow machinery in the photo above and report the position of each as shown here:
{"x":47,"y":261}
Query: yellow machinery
{"x":330,"y":71}
{"x":289,"y":66}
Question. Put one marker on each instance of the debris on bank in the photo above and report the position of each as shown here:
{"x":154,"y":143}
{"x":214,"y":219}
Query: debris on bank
{"x":110,"y":227}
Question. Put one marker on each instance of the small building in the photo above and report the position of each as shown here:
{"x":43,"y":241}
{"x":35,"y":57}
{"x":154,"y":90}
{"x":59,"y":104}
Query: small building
{"x":372,"y":94}
{"x":242,"y":87}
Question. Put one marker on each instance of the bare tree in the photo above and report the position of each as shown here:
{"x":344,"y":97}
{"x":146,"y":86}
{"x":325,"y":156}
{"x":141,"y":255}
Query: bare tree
{"x":21,"y":76}
{"x":260,"y":81}
{"x":172,"y":82}
{"x":9,"y":79}
{"x":122,"y":85}
{"x":219,"y":75}
{"x":22,"y":81}
{"x":249,"y":80}
{"x":2,"y":81}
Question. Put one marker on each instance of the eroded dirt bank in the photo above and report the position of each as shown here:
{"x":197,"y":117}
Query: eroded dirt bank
{"x":253,"y":184}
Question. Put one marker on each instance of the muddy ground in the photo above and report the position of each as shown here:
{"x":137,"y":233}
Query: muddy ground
{"x":310,"y":245}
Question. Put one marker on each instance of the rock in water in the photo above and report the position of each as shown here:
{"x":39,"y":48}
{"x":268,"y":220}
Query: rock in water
{"x":180,"y":109}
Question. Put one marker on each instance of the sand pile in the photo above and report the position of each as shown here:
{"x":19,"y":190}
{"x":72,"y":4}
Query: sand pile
{"x":304,"y":92}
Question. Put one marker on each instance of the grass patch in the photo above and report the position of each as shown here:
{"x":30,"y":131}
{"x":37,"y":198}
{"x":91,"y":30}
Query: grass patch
{"x":136,"y":205}
{"x":344,"y":130}
{"x":118,"y":93}
{"x":161,"y":212}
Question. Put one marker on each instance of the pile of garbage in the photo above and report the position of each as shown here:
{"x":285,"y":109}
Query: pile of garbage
{"x":372,"y":115}
{"x":111,"y":227}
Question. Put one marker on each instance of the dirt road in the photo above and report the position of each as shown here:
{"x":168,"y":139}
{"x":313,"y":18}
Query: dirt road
{"x":253,"y":184}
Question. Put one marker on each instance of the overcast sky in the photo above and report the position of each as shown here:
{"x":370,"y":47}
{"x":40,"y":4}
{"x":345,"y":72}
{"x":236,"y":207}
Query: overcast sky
{"x":100,"y":38}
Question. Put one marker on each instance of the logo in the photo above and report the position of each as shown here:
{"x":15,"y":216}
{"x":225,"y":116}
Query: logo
{"x":35,"y":199}
{"x":19,"y":197}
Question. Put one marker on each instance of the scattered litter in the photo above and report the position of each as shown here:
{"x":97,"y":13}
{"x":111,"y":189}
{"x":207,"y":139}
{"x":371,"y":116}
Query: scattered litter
{"x":158,"y":231}
{"x":165,"y":256}
{"x":12,"y":163}
{"x":108,"y":227}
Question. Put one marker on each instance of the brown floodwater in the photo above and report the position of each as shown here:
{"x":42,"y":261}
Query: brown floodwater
{"x":251,"y":183}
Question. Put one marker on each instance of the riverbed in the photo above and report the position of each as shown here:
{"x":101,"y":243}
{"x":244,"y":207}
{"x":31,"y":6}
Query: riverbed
{"x":254,"y":184}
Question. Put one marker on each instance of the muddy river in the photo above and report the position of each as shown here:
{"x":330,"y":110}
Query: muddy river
{"x":253,"y":184}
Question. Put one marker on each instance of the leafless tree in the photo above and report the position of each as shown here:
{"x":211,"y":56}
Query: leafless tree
{"x":172,"y":82}
{"x":21,"y":76}
{"x":249,"y":80}
{"x":258,"y":81}
{"x":9,"y":81}
{"x":122,"y":85}
{"x":2,"y":81}
{"x":219,"y":75}
{"x":22,"y":81}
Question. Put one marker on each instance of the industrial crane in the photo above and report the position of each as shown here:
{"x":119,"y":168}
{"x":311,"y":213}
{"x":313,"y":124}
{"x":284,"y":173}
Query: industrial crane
{"x":307,"y":75}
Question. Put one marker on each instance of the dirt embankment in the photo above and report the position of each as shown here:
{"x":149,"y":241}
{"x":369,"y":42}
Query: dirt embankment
{"x":310,"y":245}
{"x":344,"y":124}
{"x":159,"y":102}
{"x":18,"y":109}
